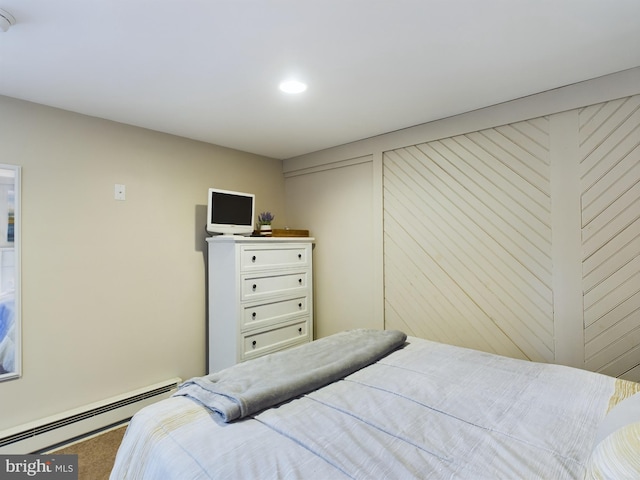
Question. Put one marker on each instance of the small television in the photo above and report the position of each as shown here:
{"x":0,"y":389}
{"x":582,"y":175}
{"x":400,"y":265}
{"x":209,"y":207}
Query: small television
{"x":230,"y":213}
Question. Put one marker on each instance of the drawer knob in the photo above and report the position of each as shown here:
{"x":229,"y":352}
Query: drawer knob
{"x":253,"y":315}
{"x":254,"y":287}
{"x":253,"y":259}
{"x":300,"y":330}
{"x":300,"y":281}
{"x":300,"y":305}
{"x":254,"y":343}
{"x":299,"y":256}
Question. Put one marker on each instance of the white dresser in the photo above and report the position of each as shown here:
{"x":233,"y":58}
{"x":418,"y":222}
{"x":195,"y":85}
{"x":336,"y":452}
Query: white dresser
{"x":260,"y":296}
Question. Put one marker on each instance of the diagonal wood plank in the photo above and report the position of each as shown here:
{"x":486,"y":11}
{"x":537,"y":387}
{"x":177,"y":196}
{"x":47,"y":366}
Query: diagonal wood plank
{"x":610,"y":180}
{"x":467,"y":240}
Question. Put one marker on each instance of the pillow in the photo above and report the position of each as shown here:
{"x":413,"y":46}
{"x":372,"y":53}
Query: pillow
{"x":625,"y":412}
{"x":616,"y":454}
{"x":617,"y":457}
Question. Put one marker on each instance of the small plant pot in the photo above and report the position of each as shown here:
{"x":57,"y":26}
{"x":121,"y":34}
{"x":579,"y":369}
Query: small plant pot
{"x":265,"y":230}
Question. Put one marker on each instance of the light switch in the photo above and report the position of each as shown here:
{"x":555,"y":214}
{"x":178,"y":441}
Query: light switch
{"x":119,"y":192}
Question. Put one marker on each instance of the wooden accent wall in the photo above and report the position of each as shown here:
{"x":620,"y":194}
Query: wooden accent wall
{"x":610,"y":188}
{"x":472,"y":225}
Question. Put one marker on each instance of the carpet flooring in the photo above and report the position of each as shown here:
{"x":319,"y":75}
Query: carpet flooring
{"x":96,"y":455}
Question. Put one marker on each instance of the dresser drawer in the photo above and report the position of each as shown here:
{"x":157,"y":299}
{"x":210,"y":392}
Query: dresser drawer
{"x":260,"y":257}
{"x":255,"y":316}
{"x":255,"y":286}
{"x":261,"y":343}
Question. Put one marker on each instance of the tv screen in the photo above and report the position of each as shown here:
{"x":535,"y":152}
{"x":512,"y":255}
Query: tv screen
{"x":230,"y":212}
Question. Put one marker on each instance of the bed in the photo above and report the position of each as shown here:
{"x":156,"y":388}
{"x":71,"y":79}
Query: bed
{"x":348,"y":407}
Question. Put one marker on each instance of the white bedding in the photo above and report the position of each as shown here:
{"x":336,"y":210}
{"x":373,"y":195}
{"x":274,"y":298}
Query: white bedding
{"x":428,"y":410}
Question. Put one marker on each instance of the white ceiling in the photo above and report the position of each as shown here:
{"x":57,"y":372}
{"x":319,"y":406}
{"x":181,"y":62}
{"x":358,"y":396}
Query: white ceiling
{"x":209,"y":69}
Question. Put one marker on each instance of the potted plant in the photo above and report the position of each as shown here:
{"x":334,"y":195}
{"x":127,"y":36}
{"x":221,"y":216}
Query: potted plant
{"x":264,"y":220}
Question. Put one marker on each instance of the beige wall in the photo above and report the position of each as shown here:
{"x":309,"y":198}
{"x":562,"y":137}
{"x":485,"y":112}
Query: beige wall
{"x":338,"y":205}
{"x":113,"y":292}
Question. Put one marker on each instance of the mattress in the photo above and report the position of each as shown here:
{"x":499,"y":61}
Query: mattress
{"x":427,"y":410}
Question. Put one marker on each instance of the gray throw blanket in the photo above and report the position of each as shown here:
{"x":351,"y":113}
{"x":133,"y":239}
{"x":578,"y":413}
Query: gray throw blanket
{"x":247,"y":388}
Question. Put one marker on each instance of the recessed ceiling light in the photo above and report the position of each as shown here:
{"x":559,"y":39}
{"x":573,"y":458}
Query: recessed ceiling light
{"x":293,"y":86}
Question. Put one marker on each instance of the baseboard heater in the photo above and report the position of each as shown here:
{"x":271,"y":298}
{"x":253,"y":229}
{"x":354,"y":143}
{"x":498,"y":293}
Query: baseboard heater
{"x":58,"y":429}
